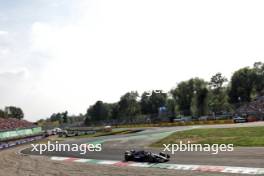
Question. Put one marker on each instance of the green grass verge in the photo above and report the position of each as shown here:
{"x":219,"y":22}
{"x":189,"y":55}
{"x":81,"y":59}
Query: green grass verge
{"x":115,"y":132}
{"x":169,"y":124}
{"x":242,"y":136}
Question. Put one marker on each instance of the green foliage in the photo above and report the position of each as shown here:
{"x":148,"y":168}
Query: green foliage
{"x":194,"y":97}
{"x":151,"y":104}
{"x":128,"y":105}
{"x":218,"y":99}
{"x":259,"y":80}
{"x":99,"y":111}
{"x":114,"y":110}
{"x":14,"y":112}
{"x":145,"y":104}
{"x":191,"y":97}
{"x":65,"y":117}
{"x":60,"y":117}
{"x":247,"y":83}
{"x":183,"y":94}
{"x":242,"y":85}
{"x":171,"y":107}
{"x":217,"y":81}
{"x":2,"y":114}
{"x":56,"y":117}
{"x":252,"y":136}
{"x":167,"y":124}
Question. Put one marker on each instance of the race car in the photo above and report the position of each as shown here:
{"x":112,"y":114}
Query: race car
{"x":144,"y":156}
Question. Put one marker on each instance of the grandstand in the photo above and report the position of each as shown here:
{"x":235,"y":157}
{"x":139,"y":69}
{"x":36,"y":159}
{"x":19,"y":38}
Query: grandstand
{"x":14,"y":132}
{"x":254,"y":108}
{"x":11,"y":123}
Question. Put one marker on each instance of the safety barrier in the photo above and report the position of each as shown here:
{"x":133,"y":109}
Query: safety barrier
{"x":4,"y":135}
{"x":8,"y":144}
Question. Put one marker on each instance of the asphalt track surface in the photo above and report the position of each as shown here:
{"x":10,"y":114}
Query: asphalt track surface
{"x":113,"y":148}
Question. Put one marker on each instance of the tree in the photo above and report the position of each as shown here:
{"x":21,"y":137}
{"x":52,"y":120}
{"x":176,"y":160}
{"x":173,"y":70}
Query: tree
{"x":145,"y":104}
{"x":157,"y":100}
{"x":65,"y":117}
{"x":218,"y":99}
{"x":55,"y":117}
{"x":128,"y":105}
{"x":217,"y":81}
{"x":2,"y":114}
{"x":242,"y":85}
{"x":115,"y":110}
{"x":199,"y":104}
{"x":87,"y":120}
{"x":259,"y":80}
{"x":171,"y":107}
{"x":98,"y":112}
{"x":191,"y":97}
{"x":151,"y":104}
{"x":14,"y":112}
{"x":183,"y":94}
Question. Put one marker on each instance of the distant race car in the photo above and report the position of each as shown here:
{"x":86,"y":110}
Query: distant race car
{"x":239,"y":120}
{"x":143,"y":156}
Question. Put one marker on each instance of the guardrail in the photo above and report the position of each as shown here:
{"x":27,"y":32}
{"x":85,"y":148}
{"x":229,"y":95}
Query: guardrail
{"x":8,"y":144}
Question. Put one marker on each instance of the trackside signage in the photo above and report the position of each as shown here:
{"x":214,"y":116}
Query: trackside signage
{"x":21,"y":132}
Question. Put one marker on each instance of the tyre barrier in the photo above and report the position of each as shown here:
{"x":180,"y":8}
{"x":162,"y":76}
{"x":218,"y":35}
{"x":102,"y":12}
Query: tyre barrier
{"x":7,"y":144}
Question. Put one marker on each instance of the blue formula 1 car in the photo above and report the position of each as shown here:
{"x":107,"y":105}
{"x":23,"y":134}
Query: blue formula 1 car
{"x":144,"y":156}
